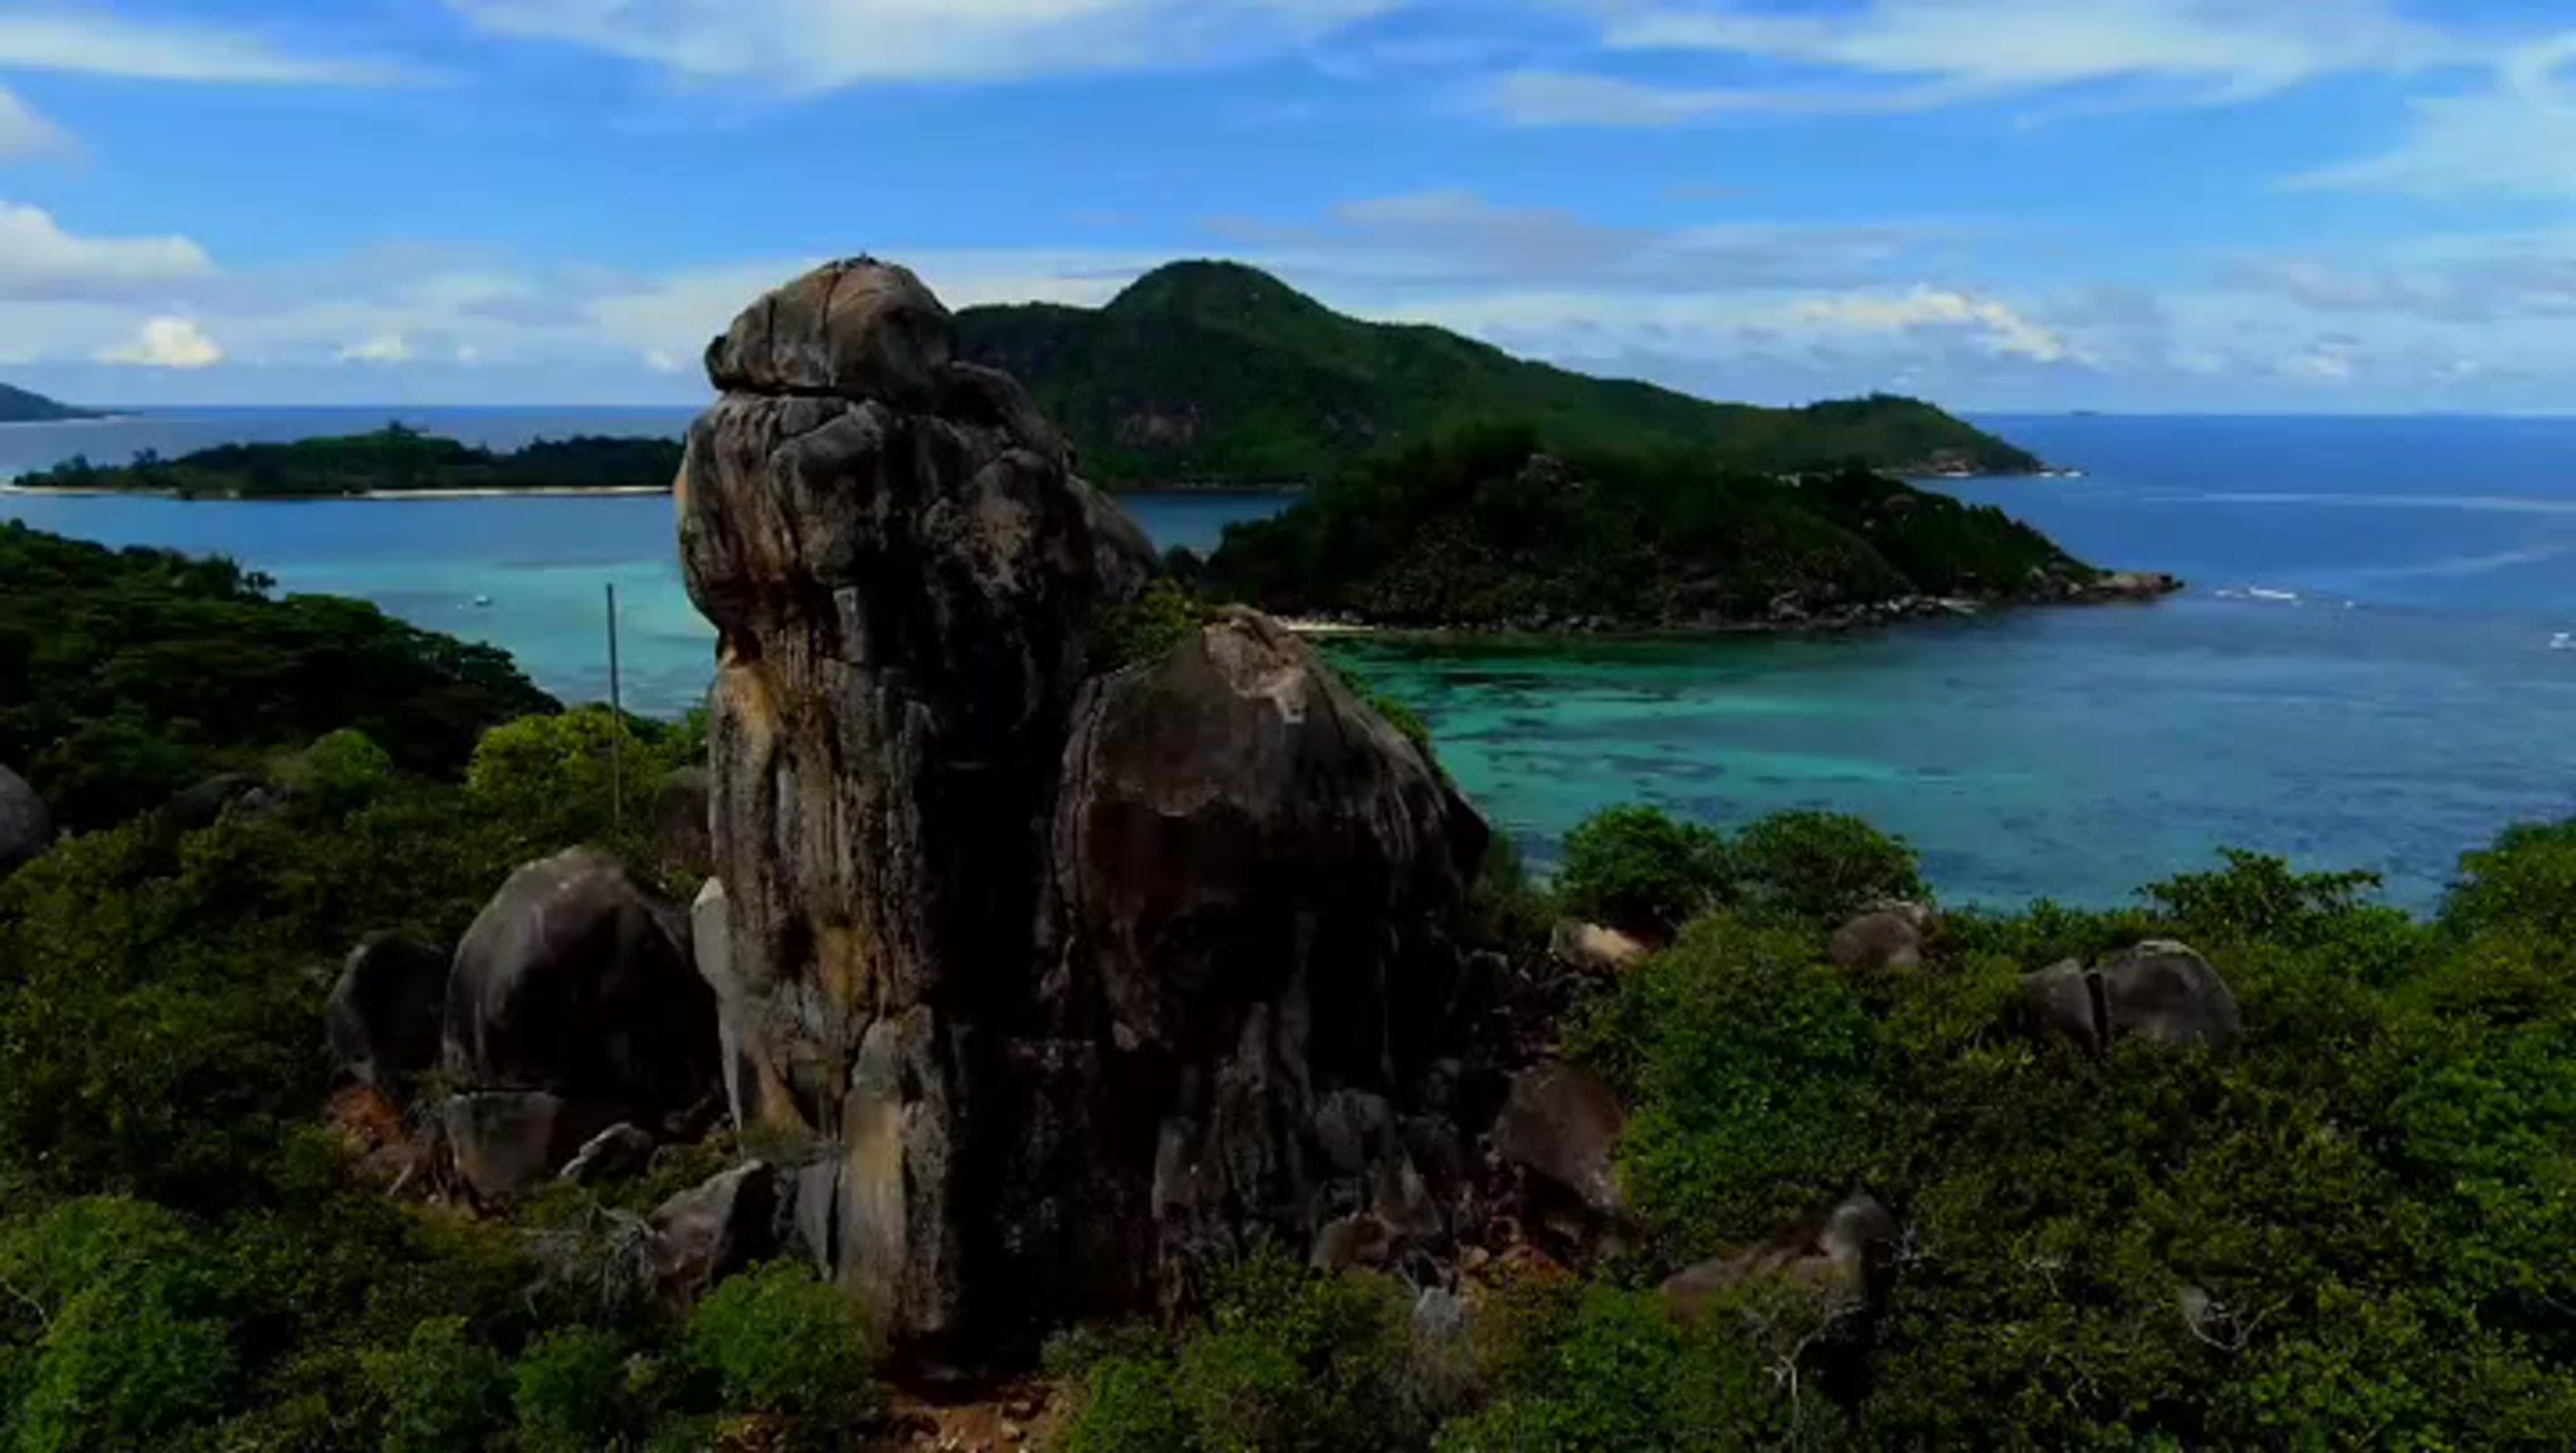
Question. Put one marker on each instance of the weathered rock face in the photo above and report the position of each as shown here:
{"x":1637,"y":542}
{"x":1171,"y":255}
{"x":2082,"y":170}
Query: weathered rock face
{"x":383,"y":1014}
{"x":576,"y":981}
{"x":1562,"y":1124}
{"x":2160,"y":991}
{"x":1845,"y":1255}
{"x":26,"y":828}
{"x":1056,"y":970}
{"x":1886,"y":937}
{"x":1595,"y":949}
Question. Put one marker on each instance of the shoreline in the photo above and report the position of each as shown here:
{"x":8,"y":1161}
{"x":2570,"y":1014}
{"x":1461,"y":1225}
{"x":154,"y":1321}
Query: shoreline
{"x":2117,"y":588}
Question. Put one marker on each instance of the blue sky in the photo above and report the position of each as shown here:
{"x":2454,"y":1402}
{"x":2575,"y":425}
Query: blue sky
{"x":2271,"y":205}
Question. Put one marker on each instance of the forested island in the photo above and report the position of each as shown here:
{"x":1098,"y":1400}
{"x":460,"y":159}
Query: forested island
{"x":393,"y":460}
{"x":1493,"y":530}
{"x":17,"y":406}
{"x":1213,"y":374}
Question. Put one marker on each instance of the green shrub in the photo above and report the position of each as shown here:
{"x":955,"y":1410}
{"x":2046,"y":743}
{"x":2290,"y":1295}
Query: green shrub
{"x":571,"y":1392}
{"x":1128,"y":1405}
{"x":1147,"y":628}
{"x":2526,"y":881}
{"x":444,"y":1388}
{"x":780,"y":1342}
{"x":2258,"y":896}
{"x":1640,"y":870}
{"x":1753,"y":1070}
{"x":339,"y":774}
{"x":1823,"y":865}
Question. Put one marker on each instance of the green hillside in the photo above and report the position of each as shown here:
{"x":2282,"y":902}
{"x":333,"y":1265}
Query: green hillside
{"x":1216,"y":373}
{"x":17,"y":406}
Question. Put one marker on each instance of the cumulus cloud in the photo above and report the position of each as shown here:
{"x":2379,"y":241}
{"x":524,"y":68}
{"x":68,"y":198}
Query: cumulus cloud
{"x":38,"y":259}
{"x":167,"y":343}
{"x":91,"y":41}
{"x":382,"y":348}
{"x":1994,"y":325}
{"x":821,"y":45}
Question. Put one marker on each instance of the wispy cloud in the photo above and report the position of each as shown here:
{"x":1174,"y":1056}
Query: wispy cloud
{"x":821,"y":45}
{"x":24,"y":132}
{"x":1906,"y":55}
{"x":2515,"y":134}
{"x":91,"y":41}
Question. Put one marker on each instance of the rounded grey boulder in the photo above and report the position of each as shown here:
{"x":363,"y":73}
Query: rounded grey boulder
{"x":384,"y":1012}
{"x":855,"y":329}
{"x":26,"y":828}
{"x":2160,"y":991}
{"x":1562,"y":1124}
{"x":576,"y":979}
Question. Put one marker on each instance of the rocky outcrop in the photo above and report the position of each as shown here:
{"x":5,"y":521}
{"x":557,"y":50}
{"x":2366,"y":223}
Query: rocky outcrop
{"x":1885,"y":937}
{"x":506,"y":1143}
{"x":26,"y":828}
{"x":1054,"y":972}
{"x":576,"y":983}
{"x":1595,"y":949}
{"x":2159,"y":991}
{"x":1562,"y":1124}
{"x":383,"y":1015}
{"x":713,"y":1230}
{"x":1845,"y":1256}
{"x":620,"y":1152}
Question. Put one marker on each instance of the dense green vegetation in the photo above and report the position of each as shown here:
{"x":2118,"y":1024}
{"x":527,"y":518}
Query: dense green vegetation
{"x":2355,"y":1232}
{"x":126,"y":676}
{"x":17,"y":406}
{"x":2359,"y":1230}
{"x":392,"y":458}
{"x":1484,"y":528}
{"x":1215,"y":373}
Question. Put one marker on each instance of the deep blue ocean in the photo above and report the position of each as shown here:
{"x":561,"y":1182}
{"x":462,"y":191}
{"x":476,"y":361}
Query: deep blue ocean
{"x":2374,"y":668}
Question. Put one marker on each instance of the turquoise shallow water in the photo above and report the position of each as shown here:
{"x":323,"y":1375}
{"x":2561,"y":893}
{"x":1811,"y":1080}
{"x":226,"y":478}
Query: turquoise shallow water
{"x":2363,"y":676}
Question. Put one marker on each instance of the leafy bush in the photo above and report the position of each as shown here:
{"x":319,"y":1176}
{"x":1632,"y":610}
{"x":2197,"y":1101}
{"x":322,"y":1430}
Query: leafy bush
{"x":571,"y":1392}
{"x":2526,"y":880}
{"x":1147,"y":628}
{"x":780,"y":1342}
{"x":1823,"y":865}
{"x":445,"y":1388}
{"x":1638,"y":869}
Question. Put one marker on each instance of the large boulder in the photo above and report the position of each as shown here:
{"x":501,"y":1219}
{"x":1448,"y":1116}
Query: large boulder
{"x":1561,"y":1123}
{"x":1053,"y":971}
{"x":506,"y":1143}
{"x":712,"y":1230}
{"x":1844,"y":1256}
{"x":1886,"y":937}
{"x":26,"y":828}
{"x":2160,"y":991}
{"x":576,"y":980}
{"x":383,"y":1016}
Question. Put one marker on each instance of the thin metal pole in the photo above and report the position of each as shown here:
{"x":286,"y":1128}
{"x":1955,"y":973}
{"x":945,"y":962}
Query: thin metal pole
{"x":617,"y":727}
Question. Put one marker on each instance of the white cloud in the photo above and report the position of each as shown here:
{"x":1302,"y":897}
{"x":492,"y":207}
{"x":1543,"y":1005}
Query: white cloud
{"x":167,"y":343}
{"x":2515,"y":134}
{"x":38,"y":259}
{"x":2220,"y":48}
{"x":1994,"y":325}
{"x":92,"y":42}
{"x":24,"y":132}
{"x":382,"y":348}
{"x":821,"y":45}
{"x":1572,"y":98}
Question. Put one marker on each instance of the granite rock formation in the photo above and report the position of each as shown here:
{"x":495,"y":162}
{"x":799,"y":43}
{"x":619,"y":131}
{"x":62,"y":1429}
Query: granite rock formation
{"x":2160,"y":991}
{"x":572,"y":1005}
{"x":383,"y":1014}
{"x":26,"y":828}
{"x":1053,"y":972}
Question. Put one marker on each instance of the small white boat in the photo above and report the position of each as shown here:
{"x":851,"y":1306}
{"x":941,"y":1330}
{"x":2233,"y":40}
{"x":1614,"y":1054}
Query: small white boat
{"x":2257,"y":592}
{"x":2563,"y":641}
{"x":482,"y":601}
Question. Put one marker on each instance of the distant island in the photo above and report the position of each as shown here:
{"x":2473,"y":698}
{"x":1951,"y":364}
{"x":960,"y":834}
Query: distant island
{"x":394,"y":460}
{"x":1213,"y":374}
{"x":17,"y":406}
{"x":1491,"y":531}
